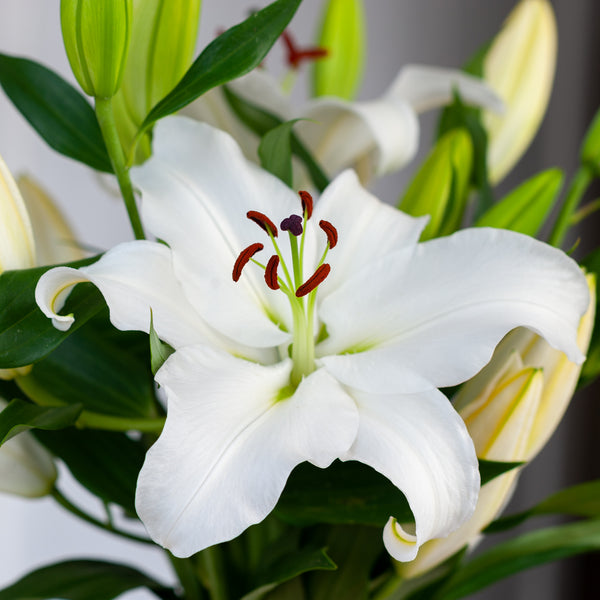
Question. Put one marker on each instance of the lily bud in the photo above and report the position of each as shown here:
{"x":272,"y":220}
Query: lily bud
{"x":17,"y":249}
{"x":343,"y":35}
{"x":590,"y":150}
{"x":26,"y":467}
{"x":520,"y":66}
{"x":440,"y":187}
{"x":511,"y":408}
{"x":163,"y":40}
{"x":525,"y":208}
{"x":96,"y":36}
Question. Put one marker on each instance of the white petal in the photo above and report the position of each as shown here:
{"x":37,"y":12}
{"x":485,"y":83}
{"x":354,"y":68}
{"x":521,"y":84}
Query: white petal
{"x":368,"y":229}
{"x":425,"y":88}
{"x":436,"y":315}
{"x":228,"y":445}
{"x":373,"y":137}
{"x":134,"y":278}
{"x":422,"y":446}
{"x":196,"y":191}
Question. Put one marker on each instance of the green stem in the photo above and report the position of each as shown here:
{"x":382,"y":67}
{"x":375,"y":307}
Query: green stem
{"x":213,"y":568}
{"x":66,"y":503}
{"x":579,"y":185}
{"x":184,"y":569}
{"x":111,"y":423}
{"x":108,"y":126}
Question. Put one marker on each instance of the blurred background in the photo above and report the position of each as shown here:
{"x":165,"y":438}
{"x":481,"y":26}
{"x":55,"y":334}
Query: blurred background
{"x":433,"y":32}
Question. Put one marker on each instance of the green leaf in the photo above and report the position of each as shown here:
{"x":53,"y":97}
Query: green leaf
{"x":489,"y":469}
{"x":581,"y":500}
{"x":55,"y":109}
{"x":20,"y":416}
{"x":231,"y":55}
{"x":523,"y":552}
{"x":105,"y":462}
{"x":290,"y":566}
{"x":26,"y":334}
{"x":343,"y":35}
{"x":100,"y":374}
{"x":526,"y":207}
{"x":78,"y":580}
{"x":348,"y":492}
{"x":591,"y":366}
{"x":261,"y":121}
{"x":159,"y":351}
{"x":275,"y":151}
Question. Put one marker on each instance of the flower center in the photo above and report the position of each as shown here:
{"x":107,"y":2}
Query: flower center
{"x":301,"y":294}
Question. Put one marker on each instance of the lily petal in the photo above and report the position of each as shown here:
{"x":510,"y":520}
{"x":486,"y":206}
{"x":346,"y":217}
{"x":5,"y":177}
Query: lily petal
{"x":233,"y":444}
{"x":473,"y":287}
{"x":425,"y":88}
{"x":198,"y":176}
{"x":134,"y":278}
{"x":422,"y":446}
{"x":368,"y":228}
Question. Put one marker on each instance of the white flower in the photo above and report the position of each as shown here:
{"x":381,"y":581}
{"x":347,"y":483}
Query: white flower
{"x":374,"y":137}
{"x":370,"y":345}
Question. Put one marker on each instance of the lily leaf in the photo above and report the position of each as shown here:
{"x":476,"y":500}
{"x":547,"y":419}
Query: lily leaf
{"x":26,"y":334}
{"x":275,"y":151}
{"x":105,"y":462}
{"x":78,"y":580}
{"x":523,"y":552}
{"x":234,"y":53}
{"x":20,"y":416}
{"x":489,"y":469}
{"x":159,"y":351}
{"x":261,"y":121}
{"x":55,"y":109}
{"x":581,"y":500}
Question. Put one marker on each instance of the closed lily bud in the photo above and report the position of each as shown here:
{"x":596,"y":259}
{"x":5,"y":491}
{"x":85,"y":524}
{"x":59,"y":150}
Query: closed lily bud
{"x":163,"y":40}
{"x":440,"y":187}
{"x":26,"y":467}
{"x":519,"y":66}
{"x":17,"y":249}
{"x":343,"y":36}
{"x":96,"y":36}
{"x":526,"y":207}
{"x":511,"y":408}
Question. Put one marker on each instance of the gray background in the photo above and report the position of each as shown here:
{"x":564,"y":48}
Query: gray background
{"x":436,"y":32}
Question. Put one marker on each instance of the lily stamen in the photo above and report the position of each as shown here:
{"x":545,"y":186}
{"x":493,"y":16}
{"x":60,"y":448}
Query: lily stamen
{"x":263,"y":222}
{"x":242,"y":260}
{"x":314,"y":280}
{"x":330,"y":232}
{"x":271,"y":277}
{"x":307,"y":204}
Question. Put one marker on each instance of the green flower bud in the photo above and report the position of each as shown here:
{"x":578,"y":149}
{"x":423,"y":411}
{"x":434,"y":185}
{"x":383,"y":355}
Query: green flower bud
{"x":590,"y":150}
{"x":343,"y":35}
{"x":440,"y":187}
{"x":525,"y":209}
{"x":96,"y":36}
{"x":163,"y":40}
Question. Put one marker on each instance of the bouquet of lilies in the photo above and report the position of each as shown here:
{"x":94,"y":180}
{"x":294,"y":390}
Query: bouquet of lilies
{"x":291,"y":388}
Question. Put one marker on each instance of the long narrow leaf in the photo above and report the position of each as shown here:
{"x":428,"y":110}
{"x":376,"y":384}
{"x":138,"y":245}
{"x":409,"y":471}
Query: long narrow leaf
{"x":233,"y":54}
{"x":55,"y":109}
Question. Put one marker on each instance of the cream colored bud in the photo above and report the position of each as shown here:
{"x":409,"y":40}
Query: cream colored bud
{"x":520,"y":66}
{"x":26,"y":467}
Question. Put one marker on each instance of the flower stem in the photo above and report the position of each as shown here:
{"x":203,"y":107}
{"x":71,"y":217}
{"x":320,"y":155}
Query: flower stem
{"x":579,"y":185}
{"x":213,"y":569}
{"x":66,"y":503}
{"x":108,"y":127}
{"x":184,"y":569}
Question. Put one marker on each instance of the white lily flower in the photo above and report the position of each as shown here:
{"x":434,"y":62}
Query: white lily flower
{"x":263,"y":379}
{"x":26,"y":467}
{"x":374,"y":137}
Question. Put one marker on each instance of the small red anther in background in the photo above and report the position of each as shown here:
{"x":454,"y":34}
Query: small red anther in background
{"x":295,"y":56}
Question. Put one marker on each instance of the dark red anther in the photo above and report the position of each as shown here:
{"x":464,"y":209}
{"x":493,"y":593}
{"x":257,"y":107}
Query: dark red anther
{"x":271,"y":272}
{"x":330,"y":232}
{"x":307,"y":203}
{"x":313,"y":281}
{"x":295,"y":56}
{"x":242,"y":260}
{"x":262,"y":221}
